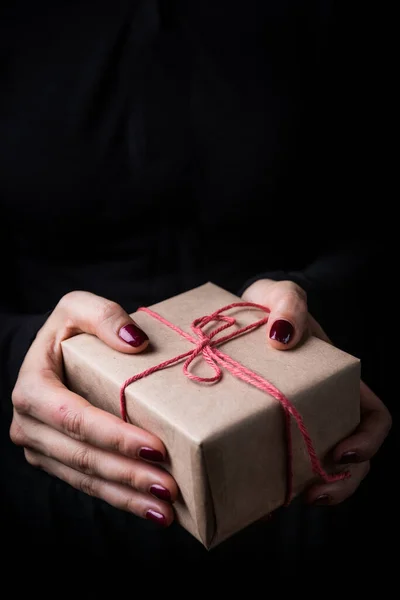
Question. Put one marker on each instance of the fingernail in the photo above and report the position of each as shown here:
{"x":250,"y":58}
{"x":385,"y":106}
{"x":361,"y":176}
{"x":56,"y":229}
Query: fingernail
{"x":281,"y":331}
{"x":323,"y":499}
{"x":150,"y":454}
{"x":157,"y":517}
{"x":133,"y":335}
{"x":349,"y":457}
{"x":160,"y":492}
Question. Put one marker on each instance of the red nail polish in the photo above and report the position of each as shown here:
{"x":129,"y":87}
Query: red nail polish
{"x":157,"y":517}
{"x":160,"y":492}
{"x":323,"y":500}
{"x":349,"y":457}
{"x":150,"y":454}
{"x":133,"y":335}
{"x":282,"y":331}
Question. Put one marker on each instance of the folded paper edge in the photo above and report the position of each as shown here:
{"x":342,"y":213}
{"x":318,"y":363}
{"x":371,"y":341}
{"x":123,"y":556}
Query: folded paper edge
{"x":208,"y":532}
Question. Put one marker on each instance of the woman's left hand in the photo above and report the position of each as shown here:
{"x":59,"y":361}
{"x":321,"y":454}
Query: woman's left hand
{"x":289,"y":321}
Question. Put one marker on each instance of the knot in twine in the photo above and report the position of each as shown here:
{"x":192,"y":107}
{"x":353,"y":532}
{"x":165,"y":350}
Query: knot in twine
{"x":205,"y":344}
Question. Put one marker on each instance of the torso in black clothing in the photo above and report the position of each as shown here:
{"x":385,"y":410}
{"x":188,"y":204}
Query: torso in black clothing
{"x":150,"y":146}
{"x":147,"y":147}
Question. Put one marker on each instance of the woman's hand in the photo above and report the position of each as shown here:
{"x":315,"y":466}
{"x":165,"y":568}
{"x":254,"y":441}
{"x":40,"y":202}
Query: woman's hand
{"x":66,"y":436}
{"x":288,"y":322}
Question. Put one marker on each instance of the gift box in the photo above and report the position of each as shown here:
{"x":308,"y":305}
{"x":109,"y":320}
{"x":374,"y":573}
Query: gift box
{"x":246,"y":427}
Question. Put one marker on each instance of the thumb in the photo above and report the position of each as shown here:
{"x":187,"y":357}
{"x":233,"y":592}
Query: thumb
{"x":288,"y":319}
{"x":83,"y":312}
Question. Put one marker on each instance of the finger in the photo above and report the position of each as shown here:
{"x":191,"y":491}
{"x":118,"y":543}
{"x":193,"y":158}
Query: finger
{"x":370,"y":434}
{"x":339,"y":491}
{"x":289,"y":314}
{"x":119,"y":496}
{"x":46,"y":399}
{"x":79,"y":312}
{"x":89,"y":460}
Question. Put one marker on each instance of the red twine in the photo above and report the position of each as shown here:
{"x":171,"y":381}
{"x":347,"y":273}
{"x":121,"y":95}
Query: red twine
{"x":206,"y":345}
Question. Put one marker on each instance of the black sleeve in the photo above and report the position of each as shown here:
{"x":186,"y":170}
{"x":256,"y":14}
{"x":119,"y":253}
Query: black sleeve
{"x":17,"y":333}
{"x":18,"y":327}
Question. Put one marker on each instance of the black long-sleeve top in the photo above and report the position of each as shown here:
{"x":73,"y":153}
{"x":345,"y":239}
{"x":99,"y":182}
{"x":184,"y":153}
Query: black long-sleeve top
{"x":149,"y":146}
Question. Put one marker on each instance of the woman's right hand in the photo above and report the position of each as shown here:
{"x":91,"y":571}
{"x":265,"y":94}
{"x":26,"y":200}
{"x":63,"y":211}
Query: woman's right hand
{"x":63,"y":434}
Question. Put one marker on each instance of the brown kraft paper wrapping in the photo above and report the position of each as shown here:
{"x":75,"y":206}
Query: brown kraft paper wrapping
{"x":226,"y":442}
